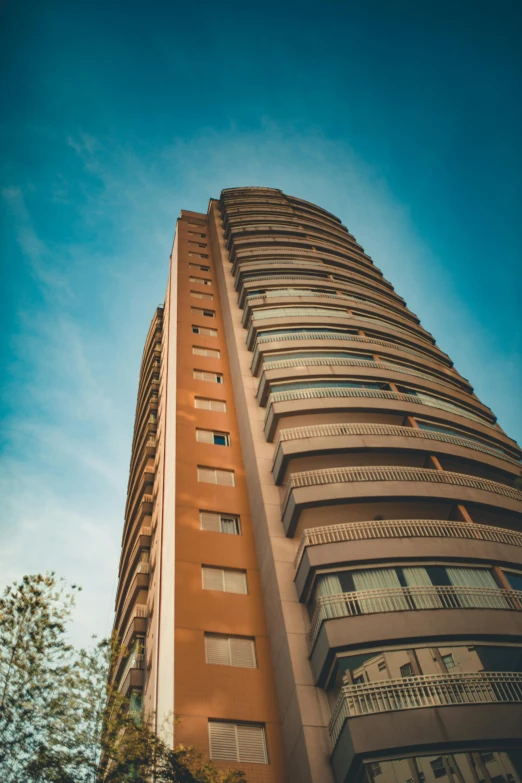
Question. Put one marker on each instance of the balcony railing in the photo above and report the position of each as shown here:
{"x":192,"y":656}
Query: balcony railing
{"x":135,"y":661}
{"x":391,"y":430}
{"x":404,"y":528}
{"x":427,"y":690}
{"x":312,"y":478}
{"x":267,"y":338}
{"x":403,"y":599}
{"x":356,"y":300}
{"x":337,"y":361}
{"x":380,"y":394}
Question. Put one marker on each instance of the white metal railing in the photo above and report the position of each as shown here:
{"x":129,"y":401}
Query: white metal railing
{"x":334,"y":430}
{"x":291,"y":312}
{"x":136,"y":660}
{"x":401,"y":599}
{"x":267,"y":338}
{"x":404,"y":528}
{"x":247,"y":264}
{"x":325,"y":279}
{"x":337,"y":361}
{"x":427,"y":690}
{"x":311,"y":478}
{"x":333,"y":392}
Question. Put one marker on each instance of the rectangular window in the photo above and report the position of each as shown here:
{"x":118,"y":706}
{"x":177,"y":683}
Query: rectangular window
{"x":230,"y":651}
{"x":204,"y":311}
{"x":201,"y":295}
{"x":219,"y":406}
{"x":225,"y":580}
{"x":200,"y":280}
{"x":407,"y":670}
{"x":220,"y":523}
{"x":243,"y":742}
{"x":200,"y":267}
{"x":196,"y":244}
{"x":204,"y":330}
{"x":195,"y":234}
{"x":212,"y":437}
{"x":225,"y":478}
{"x":448,"y":661}
{"x":200,"y":255}
{"x":213,"y":377}
{"x":199,"y":351}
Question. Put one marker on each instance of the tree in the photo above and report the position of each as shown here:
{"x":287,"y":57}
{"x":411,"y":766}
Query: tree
{"x":62,"y":718}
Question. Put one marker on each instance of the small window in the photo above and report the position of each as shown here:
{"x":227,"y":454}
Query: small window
{"x":197,"y":244}
{"x":438,"y":767}
{"x":205,"y":312}
{"x":201,"y":267}
{"x":195,"y":234}
{"x":230,"y":651}
{"x":242,"y":742}
{"x":381,"y":666}
{"x":220,"y":523}
{"x":219,"y":406}
{"x":201,"y":295}
{"x":213,"y":377}
{"x":200,"y":280}
{"x":204,"y":330}
{"x":359,"y":680}
{"x":225,"y":478}
{"x":200,"y":255}
{"x":225,"y":580}
{"x":199,"y":351}
{"x":212,"y":437}
{"x":448,"y":661}
{"x":407,"y":670}
{"x":375,"y":768}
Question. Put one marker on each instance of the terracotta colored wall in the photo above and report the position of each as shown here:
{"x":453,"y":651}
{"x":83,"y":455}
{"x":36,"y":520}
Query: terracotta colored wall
{"x":205,"y":691}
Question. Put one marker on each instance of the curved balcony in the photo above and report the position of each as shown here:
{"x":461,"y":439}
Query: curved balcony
{"x":325,"y":438}
{"x":320,"y":244}
{"x":329,"y":366}
{"x":263,"y":221}
{"x":299,"y":401}
{"x":403,"y":599}
{"x":255,"y":305}
{"x":341,"y":485}
{"x":336,"y":340}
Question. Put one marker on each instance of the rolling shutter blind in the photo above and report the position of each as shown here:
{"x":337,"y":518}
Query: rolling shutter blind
{"x":224,"y":580}
{"x":204,"y":436}
{"x":244,"y":742}
{"x":210,"y":521}
{"x":242,"y":653}
{"x":217,"y":650}
{"x":235,"y":582}
{"x":225,"y":478}
{"x":212,"y":578}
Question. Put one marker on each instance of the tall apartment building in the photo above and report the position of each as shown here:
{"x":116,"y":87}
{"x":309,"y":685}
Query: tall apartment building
{"x":321,"y":568}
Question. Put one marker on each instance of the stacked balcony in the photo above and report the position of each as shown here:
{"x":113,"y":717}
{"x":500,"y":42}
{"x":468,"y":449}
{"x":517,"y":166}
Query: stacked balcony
{"x":401,"y":492}
{"x":130,"y":623}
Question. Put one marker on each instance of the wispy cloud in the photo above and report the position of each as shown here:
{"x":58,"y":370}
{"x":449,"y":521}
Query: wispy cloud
{"x":80,"y":345}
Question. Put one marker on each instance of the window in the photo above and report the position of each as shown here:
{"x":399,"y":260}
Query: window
{"x":225,"y":580}
{"x":206,"y":313}
{"x":200,"y":280}
{"x":204,"y":330}
{"x":201,"y":255}
{"x":197,"y":244}
{"x":438,"y":767}
{"x":359,"y":680}
{"x":201,"y":295}
{"x":219,"y":406}
{"x":195,"y":234}
{"x":215,"y":438}
{"x":243,"y":742}
{"x":220,"y":523}
{"x":375,"y":768}
{"x":327,"y":384}
{"x":199,"y":351}
{"x":200,"y":267}
{"x":381,"y":666}
{"x":407,"y":670}
{"x":448,"y":661}
{"x":225,"y":478}
{"x":214,"y":377}
{"x":230,"y":651}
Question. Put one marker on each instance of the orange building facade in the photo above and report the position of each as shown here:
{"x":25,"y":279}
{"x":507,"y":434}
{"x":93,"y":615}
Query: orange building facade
{"x":321,"y":570}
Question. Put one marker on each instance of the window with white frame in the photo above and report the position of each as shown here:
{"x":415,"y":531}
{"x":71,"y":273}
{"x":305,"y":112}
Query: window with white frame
{"x":206,"y":404}
{"x":213,"y":353}
{"x":213,"y":437}
{"x":224,"y":478}
{"x":204,"y":330}
{"x":201,"y":295}
{"x":213,"y":377}
{"x":204,"y":312}
{"x":224,"y":580}
{"x":201,"y":267}
{"x":200,"y":280}
{"x":243,"y":742}
{"x":220,"y":523}
{"x":230,"y":650}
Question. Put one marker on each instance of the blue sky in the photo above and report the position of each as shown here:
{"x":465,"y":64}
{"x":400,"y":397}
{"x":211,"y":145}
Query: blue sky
{"x":402,"y":118}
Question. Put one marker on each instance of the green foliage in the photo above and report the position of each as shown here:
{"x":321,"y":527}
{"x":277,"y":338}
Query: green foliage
{"x":62,"y":718}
